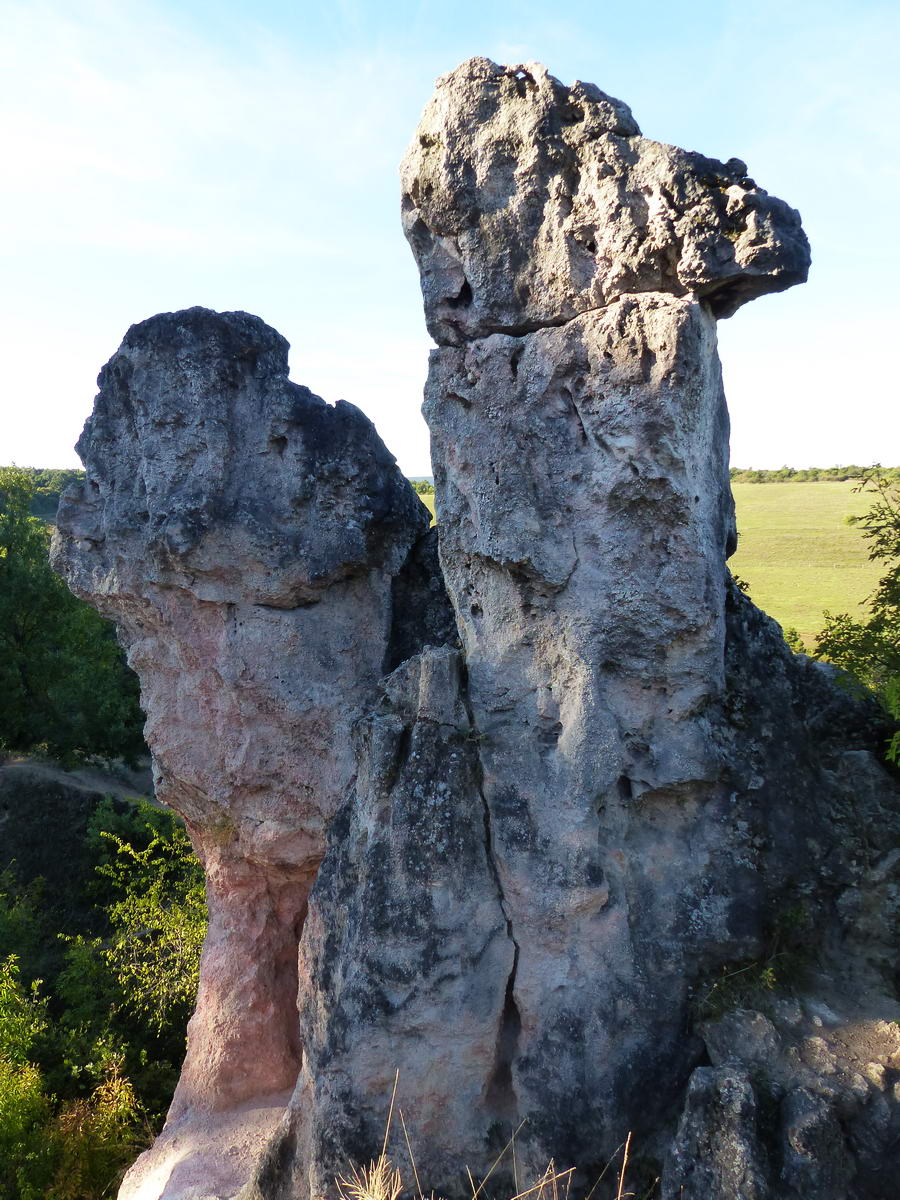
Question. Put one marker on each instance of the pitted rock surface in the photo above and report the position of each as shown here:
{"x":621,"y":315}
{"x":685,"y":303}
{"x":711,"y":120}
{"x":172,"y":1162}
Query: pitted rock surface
{"x":526,"y":202}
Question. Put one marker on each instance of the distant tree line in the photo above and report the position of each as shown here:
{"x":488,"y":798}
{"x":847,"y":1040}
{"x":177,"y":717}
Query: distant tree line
{"x":47,"y":487}
{"x":424,"y":487}
{"x":806,"y":474}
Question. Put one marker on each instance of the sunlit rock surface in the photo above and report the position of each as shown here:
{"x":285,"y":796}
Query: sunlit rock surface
{"x":527,"y":203}
{"x":509,"y":852}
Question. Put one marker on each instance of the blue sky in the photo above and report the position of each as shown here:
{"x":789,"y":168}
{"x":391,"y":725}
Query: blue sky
{"x":159,"y":155}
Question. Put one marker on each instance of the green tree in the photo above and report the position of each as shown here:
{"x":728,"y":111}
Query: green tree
{"x":159,"y":923}
{"x":64,"y":685}
{"x":89,"y":1056}
{"x":870,"y":648}
{"x":48,"y":487}
{"x":422,"y":487}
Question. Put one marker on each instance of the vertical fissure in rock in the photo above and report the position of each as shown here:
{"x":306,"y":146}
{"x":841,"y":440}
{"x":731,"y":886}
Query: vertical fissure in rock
{"x":500,"y":1094}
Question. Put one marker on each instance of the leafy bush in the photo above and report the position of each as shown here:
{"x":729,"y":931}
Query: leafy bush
{"x":25,"y":1113}
{"x":159,"y":921}
{"x":869,"y":649}
{"x":794,"y":640}
{"x":90,"y":1057}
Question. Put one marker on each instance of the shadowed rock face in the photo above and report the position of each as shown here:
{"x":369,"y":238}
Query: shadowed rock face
{"x":245,"y":536}
{"x":520,"y":838}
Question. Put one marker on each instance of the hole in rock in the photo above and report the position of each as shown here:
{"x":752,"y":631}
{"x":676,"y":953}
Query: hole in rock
{"x":400,"y":758}
{"x":463,"y":298}
{"x":522,"y":79}
{"x":278,"y":443}
{"x":420,"y":236}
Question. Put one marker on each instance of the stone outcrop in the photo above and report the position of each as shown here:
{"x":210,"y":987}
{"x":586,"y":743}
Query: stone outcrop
{"x":500,"y":809}
{"x":245,"y":537}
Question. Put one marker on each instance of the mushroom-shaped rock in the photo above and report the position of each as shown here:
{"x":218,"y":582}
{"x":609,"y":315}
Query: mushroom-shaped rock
{"x":527,"y":202}
{"x":246,"y":538}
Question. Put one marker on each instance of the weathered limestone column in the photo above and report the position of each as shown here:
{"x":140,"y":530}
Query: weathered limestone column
{"x":572,"y":273}
{"x":245,"y":537}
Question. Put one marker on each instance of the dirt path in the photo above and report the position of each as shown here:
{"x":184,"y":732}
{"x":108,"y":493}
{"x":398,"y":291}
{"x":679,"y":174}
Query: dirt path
{"x":120,"y":782}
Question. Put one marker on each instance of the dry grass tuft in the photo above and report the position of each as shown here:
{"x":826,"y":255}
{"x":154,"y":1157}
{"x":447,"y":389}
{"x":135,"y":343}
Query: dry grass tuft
{"x":381,"y":1180}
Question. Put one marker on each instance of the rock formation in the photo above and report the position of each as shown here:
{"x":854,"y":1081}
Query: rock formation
{"x":544,"y":834}
{"x":245,"y":536}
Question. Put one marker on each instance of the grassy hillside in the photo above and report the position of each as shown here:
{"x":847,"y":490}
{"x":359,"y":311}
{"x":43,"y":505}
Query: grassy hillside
{"x":797,"y":551}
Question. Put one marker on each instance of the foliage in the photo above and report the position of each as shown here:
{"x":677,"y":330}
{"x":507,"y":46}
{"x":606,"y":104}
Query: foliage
{"x":423,"y":487}
{"x":869,"y":648}
{"x":48,"y":487}
{"x":64,"y":687}
{"x":74,"y":1151}
{"x":159,"y":922}
{"x":25,"y":1113}
{"x":794,"y":640}
{"x":22,"y":1013}
{"x":89,"y":1058}
{"x":93,"y":1139}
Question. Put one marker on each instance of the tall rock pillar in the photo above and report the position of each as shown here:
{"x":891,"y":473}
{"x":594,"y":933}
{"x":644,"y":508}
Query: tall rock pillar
{"x":572,"y":273}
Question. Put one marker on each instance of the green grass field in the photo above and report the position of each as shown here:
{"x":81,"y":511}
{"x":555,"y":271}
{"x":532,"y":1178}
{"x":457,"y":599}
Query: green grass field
{"x":799,"y":555}
{"x":797,"y":552}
